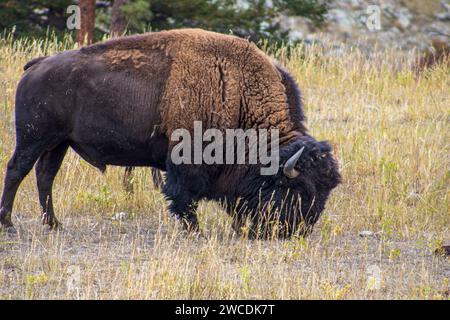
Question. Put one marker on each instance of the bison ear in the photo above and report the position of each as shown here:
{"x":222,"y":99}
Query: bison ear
{"x":289,"y":169}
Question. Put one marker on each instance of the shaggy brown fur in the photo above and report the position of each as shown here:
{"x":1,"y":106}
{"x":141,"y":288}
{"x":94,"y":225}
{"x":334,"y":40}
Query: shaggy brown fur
{"x":223,"y":81}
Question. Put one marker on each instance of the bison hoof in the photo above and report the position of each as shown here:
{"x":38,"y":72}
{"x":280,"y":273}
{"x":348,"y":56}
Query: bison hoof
{"x":190,"y":225}
{"x":51,"y":222}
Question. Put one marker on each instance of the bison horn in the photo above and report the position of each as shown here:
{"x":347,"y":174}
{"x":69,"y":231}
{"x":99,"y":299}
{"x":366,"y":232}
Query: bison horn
{"x":289,"y":169}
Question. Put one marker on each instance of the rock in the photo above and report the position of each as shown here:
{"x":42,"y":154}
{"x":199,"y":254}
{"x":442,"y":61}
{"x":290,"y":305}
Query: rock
{"x":296,"y":35}
{"x":444,"y":16}
{"x":402,"y":25}
{"x":342,"y":19}
{"x":355,"y":3}
{"x":120,"y":216}
{"x":366,"y":234}
{"x":413,"y":197}
{"x":403,"y":18}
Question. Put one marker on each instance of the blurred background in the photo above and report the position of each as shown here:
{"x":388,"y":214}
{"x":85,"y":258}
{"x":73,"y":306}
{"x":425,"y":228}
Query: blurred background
{"x":368,"y":24}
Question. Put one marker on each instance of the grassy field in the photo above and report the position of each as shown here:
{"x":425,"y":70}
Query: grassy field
{"x":390,"y":131}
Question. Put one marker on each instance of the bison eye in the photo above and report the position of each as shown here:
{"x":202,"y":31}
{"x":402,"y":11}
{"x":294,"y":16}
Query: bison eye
{"x":282,"y":181}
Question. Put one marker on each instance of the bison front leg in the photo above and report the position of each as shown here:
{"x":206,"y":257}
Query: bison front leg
{"x":182,"y":206}
{"x":184,"y":187}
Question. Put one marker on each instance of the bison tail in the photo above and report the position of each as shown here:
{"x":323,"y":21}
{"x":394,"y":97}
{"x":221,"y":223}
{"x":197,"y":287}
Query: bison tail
{"x":32,"y":62}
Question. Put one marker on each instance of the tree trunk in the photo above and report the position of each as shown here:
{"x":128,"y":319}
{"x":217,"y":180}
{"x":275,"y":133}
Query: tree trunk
{"x":118,"y":20}
{"x":85,"y":34}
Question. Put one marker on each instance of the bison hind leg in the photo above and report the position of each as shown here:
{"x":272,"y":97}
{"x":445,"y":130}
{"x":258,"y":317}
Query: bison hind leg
{"x":21,"y":163}
{"x":46,"y":169}
{"x":128,"y":179}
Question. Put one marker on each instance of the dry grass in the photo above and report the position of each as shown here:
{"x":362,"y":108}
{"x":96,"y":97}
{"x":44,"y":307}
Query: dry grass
{"x":390,"y":130}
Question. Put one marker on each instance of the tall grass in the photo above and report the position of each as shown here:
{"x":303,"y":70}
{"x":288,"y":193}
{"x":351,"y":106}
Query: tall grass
{"x":390,"y":130}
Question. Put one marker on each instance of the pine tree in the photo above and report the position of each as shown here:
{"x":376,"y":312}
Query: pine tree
{"x":85,"y":35}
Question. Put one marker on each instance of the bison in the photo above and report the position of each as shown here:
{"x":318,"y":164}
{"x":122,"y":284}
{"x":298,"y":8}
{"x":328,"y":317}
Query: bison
{"x":118,"y":102}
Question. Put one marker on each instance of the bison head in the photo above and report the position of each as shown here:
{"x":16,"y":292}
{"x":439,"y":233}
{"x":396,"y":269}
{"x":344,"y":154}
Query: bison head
{"x":292,"y":200}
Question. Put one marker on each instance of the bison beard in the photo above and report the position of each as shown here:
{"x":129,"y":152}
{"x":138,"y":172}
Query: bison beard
{"x":118,"y":102}
{"x":276,"y":205}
